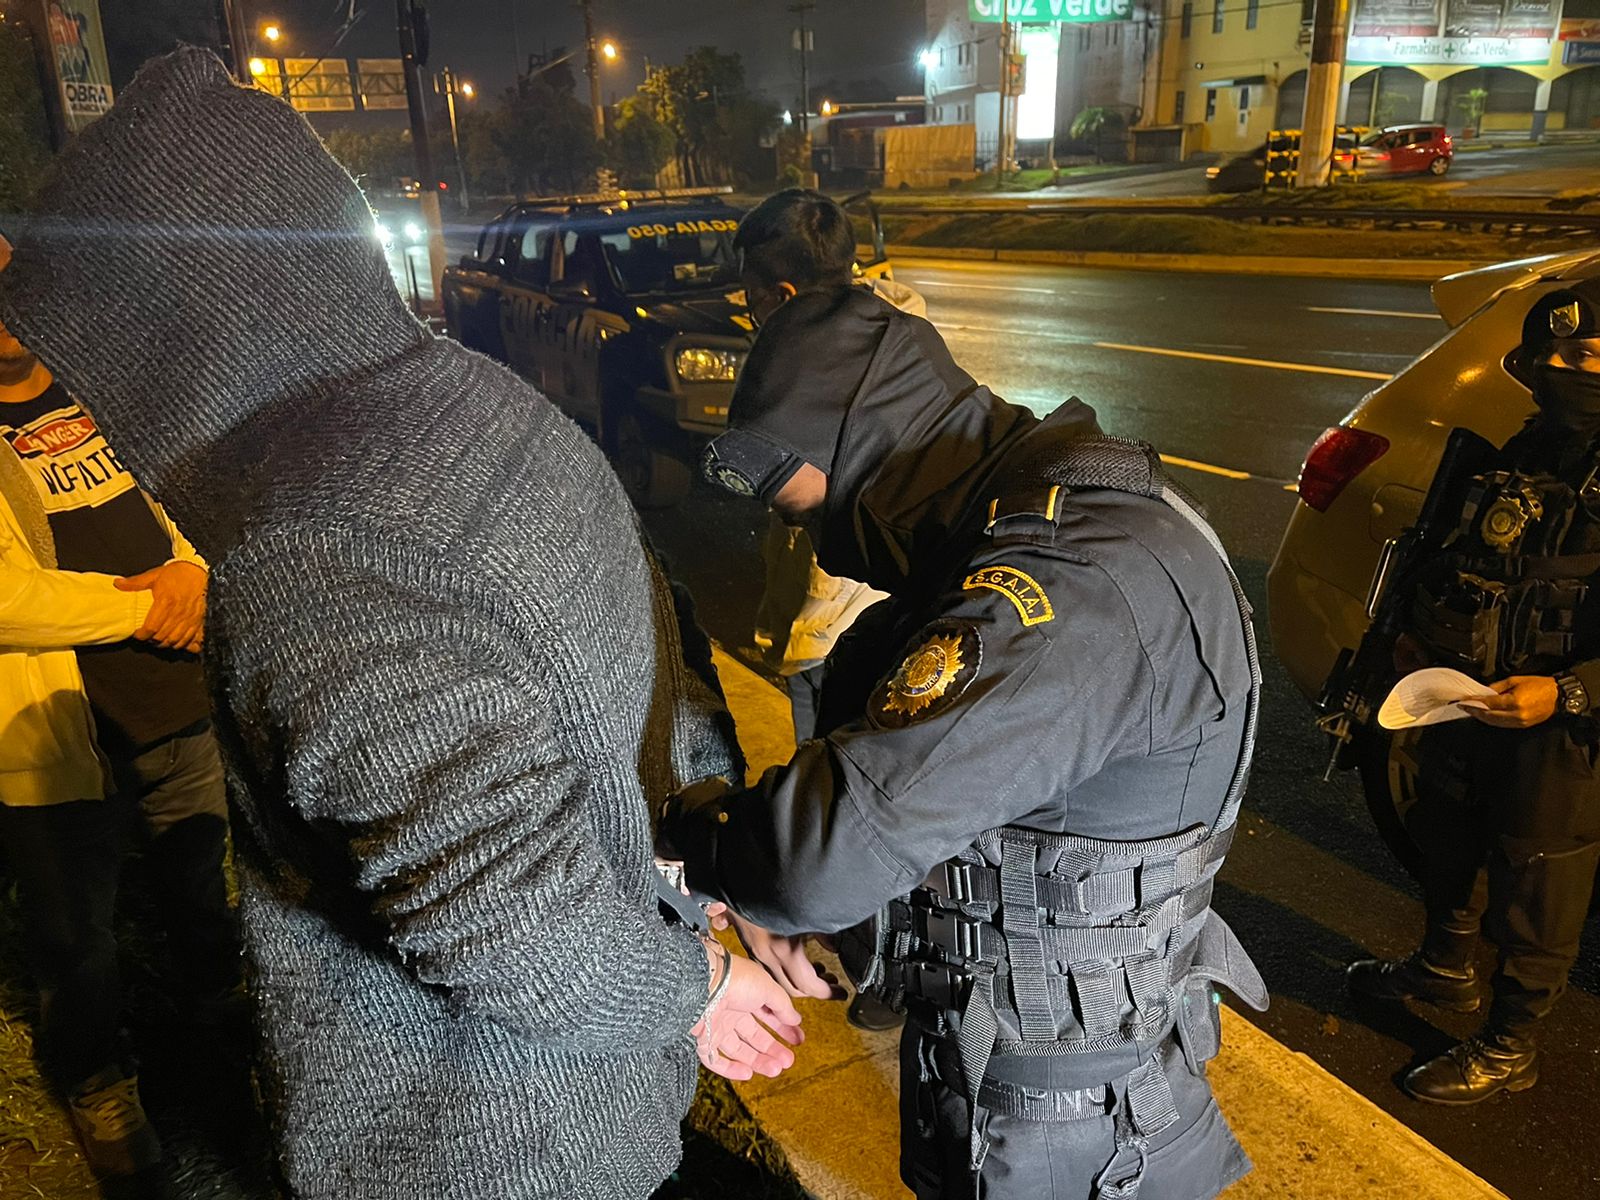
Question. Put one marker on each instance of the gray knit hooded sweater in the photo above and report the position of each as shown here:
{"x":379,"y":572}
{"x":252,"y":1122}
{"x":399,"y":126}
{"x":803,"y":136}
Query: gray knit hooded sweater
{"x":446,"y":674}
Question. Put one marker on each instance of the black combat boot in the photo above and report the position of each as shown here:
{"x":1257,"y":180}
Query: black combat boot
{"x":1476,"y":1069}
{"x":1415,"y":977}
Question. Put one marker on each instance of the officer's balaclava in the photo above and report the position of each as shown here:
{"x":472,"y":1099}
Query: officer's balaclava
{"x":872,"y":398}
{"x":1567,"y":398}
{"x":196,"y":260}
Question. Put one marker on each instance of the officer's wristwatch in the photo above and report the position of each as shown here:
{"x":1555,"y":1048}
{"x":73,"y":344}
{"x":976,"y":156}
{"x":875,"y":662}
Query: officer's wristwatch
{"x":1574,"y":696}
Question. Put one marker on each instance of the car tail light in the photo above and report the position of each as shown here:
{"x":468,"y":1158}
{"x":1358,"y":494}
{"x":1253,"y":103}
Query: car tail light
{"x":1334,"y":459}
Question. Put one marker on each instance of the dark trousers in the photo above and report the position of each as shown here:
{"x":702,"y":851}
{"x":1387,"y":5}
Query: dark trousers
{"x":1509,"y":823}
{"x":68,"y":860}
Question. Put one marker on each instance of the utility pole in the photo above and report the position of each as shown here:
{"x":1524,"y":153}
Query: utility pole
{"x":1329,"y":33}
{"x":233,"y":28}
{"x":1005,"y":88}
{"x":413,"y":22}
{"x":594,"y":73}
{"x":801,"y":10}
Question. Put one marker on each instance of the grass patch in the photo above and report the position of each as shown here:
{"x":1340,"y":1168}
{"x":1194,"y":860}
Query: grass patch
{"x":1133,"y":233}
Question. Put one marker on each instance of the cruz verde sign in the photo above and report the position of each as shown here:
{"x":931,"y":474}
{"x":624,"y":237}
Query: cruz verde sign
{"x":1042,"y":12}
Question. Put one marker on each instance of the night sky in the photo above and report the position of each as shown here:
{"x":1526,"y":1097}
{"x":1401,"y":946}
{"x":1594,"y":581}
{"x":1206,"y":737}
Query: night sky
{"x":857,"y":41}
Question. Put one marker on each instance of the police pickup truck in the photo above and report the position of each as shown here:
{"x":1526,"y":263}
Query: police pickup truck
{"x":625,"y":310}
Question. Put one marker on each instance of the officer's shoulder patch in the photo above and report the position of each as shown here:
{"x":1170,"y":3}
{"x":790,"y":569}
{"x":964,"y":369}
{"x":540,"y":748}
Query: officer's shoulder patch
{"x":1031,"y":601}
{"x":940,"y":664}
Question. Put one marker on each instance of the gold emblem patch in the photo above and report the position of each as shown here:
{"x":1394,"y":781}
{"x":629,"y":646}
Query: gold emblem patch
{"x":1564,"y":320}
{"x":925,"y":676}
{"x":942,"y":662}
{"x":1022,"y":589}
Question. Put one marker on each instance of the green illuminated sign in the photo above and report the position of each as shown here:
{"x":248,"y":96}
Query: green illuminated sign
{"x":1041,"y":12}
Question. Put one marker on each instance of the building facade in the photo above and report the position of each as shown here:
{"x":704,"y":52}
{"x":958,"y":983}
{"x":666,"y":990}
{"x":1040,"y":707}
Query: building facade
{"x":1230,"y":71}
{"x":1216,"y":76}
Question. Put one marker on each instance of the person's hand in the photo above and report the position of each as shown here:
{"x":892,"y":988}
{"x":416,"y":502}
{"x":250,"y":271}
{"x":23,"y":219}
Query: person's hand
{"x":1521,"y":702}
{"x":737,"y":1040}
{"x":177,"y":616}
{"x":786,"y":961}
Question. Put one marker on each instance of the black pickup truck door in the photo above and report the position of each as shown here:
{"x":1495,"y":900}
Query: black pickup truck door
{"x":525,"y":302}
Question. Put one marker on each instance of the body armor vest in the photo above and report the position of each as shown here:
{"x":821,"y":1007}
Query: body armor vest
{"x":1504,"y":598}
{"x":975,"y":954}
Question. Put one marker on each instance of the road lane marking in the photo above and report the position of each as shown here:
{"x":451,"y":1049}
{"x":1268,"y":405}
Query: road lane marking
{"x":1270,"y":363}
{"x":977,"y":287}
{"x":1375,"y":312}
{"x":1172,"y":460}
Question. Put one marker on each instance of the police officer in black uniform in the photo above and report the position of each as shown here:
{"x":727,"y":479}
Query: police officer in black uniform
{"x":1027,"y":763}
{"x":1508,"y":816}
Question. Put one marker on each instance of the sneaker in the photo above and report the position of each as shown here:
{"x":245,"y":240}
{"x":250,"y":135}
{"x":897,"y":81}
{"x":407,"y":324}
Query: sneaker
{"x":1414,"y":978}
{"x":112,"y":1127}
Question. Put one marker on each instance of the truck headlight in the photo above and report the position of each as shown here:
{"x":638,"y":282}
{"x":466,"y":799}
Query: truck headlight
{"x":700,"y":364}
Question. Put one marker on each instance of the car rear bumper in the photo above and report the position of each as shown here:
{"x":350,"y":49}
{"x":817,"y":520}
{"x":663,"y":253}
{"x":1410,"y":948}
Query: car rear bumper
{"x":1311,"y":621}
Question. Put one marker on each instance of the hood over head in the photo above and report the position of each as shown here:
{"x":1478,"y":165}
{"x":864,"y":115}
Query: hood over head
{"x":871,"y":396}
{"x":196,"y":260}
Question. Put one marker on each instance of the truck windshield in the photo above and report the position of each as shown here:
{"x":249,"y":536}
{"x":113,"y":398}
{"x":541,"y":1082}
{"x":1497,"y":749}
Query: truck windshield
{"x":674,"y":254}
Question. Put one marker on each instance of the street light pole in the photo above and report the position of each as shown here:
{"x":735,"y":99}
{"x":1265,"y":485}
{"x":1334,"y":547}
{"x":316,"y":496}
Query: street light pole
{"x":594,"y":73}
{"x":451,"y":87}
{"x":413,"y":53}
{"x":1005,"y":87}
{"x":801,"y":10}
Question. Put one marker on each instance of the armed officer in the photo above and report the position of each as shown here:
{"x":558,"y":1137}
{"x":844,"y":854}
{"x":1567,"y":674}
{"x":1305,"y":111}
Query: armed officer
{"x":1508,"y":816}
{"x":1027,"y":763}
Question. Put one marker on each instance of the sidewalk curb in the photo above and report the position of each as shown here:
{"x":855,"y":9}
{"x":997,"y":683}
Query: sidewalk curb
{"x":1426,"y":270}
{"x":1311,"y":1136}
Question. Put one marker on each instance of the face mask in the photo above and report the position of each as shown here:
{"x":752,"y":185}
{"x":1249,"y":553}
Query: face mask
{"x":1569,"y":399}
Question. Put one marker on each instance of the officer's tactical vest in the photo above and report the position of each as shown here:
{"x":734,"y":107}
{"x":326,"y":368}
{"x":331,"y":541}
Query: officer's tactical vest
{"x":973,"y":954}
{"x":1505,"y":599}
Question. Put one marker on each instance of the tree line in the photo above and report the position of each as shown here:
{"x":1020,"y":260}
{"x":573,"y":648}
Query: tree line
{"x":696,"y":120}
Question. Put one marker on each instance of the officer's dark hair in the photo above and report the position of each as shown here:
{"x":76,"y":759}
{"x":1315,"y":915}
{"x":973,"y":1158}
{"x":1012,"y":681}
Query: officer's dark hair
{"x":797,"y":236}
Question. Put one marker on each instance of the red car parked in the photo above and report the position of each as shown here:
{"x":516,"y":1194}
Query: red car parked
{"x":1407,"y":150}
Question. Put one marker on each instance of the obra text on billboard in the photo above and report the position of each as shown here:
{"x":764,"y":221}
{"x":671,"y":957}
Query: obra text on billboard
{"x":1073,"y":12}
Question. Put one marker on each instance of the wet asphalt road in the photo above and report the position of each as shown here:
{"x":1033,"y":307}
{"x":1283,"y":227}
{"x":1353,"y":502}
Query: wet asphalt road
{"x":1307,"y":886}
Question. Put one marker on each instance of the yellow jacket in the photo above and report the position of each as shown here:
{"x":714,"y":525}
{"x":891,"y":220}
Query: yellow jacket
{"x":48,"y":753}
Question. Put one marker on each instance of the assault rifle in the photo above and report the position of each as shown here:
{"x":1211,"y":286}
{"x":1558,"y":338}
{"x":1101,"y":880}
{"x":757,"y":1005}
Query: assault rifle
{"x":1362,"y":677}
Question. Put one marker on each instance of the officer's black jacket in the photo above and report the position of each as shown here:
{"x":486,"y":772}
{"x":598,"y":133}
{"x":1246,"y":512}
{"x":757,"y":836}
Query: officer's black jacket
{"x":1103,"y":675}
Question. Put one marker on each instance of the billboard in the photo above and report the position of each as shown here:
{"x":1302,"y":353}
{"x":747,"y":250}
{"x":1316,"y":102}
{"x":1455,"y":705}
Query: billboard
{"x":1036,"y":106}
{"x":383,"y":83}
{"x":78,"y":53}
{"x":1050,"y":12}
{"x":1474,"y":32}
{"x":320,"y":84}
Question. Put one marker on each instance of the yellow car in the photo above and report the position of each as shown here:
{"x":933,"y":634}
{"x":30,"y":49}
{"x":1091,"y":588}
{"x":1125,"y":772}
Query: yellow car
{"x":1364,"y":480}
